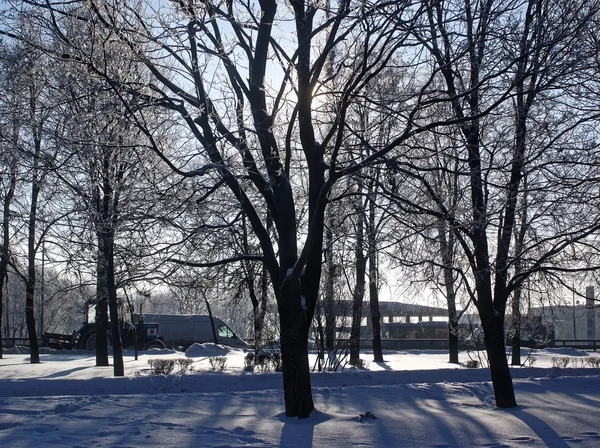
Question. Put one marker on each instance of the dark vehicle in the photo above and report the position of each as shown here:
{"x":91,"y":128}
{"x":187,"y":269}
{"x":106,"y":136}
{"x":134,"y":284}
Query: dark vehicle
{"x":183,"y":330}
{"x":153,"y":331}
{"x":85,"y":337}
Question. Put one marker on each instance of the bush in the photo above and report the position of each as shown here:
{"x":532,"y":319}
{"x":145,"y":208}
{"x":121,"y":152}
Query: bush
{"x":587,"y":361}
{"x":276,"y":363}
{"x":359,"y":364}
{"x":578,"y":362}
{"x":265,"y":361}
{"x":531,"y":361}
{"x":593,"y":361}
{"x":184,"y":364}
{"x":472,"y":364}
{"x":560,"y":361}
{"x":165,"y":366}
{"x":249,"y":362}
{"x":218,"y":362}
{"x":161,"y":366}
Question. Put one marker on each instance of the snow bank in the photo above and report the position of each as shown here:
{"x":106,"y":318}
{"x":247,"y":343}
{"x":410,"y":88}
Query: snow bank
{"x":207,"y":349}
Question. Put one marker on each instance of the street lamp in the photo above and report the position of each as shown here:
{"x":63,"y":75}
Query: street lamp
{"x":574,"y":317}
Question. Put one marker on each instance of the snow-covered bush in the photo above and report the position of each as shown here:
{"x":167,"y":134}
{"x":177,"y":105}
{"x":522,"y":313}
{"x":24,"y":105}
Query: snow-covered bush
{"x":593,"y":361}
{"x":161,"y":366}
{"x":560,"y":361}
{"x":184,"y":364}
{"x":265,"y":361}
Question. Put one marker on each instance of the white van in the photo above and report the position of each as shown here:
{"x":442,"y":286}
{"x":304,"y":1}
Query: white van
{"x":186,"y":329}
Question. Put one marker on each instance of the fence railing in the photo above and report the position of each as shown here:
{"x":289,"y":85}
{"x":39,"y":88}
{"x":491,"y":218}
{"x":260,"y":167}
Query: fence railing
{"x":593,"y":344}
{"x":21,"y":342}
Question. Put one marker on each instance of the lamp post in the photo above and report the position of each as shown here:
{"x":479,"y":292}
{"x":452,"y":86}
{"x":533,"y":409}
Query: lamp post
{"x":574,"y":319}
{"x":42,"y":288}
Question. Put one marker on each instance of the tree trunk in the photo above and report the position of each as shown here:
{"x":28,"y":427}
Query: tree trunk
{"x":101,"y":332}
{"x":373,"y":279}
{"x":375,"y":321}
{"x":452,"y":336}
{"x":4,"y":250}
{"x":496,"y":352}
{"x":328,"y":300}
{"x":447,"y":254}
{"x":260,"y":310}
{"x":30,"y":318}
{"x":101,"y":307}
{"x":520,"y":232}
{"x":31,"y":251}
{"x":294,"y":352}
{"x":118,"y":367}
{"x":359,"y":290}
{"x":516,"y":327}
{"x":212,"y":321}
{"x":452,"y":316}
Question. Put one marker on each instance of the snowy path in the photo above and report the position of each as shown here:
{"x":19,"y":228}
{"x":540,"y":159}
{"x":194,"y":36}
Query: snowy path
{"x":557,"y":408}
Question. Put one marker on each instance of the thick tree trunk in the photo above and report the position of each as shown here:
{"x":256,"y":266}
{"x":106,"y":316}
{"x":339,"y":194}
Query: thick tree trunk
{"x":30,"y":318}
{"x":501,"y":377}
{"x":452,"y":336}
{"x":295,"y":324}
{"x":101,"y":332}
{"x":492,"y":321}
{"x":101,"y":307}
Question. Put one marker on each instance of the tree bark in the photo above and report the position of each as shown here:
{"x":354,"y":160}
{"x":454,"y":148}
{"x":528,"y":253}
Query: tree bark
{"x":101,"y":306}
{"x":31,"y":251}
{"x":359,"y":288}
{"x":373,"y":278}
{"x":4,"y":250}
{"x":328,"y":299}
{"x":516,"y":327}
{"x":295,"y":324}
{"x":496,"y":352}
{"x":118,"y":366}
{"x":446,"y":249}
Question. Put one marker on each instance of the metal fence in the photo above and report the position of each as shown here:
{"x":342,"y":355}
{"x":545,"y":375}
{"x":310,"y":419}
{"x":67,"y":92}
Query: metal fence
{"x":21,"y":342}
{"x":592,"y":344}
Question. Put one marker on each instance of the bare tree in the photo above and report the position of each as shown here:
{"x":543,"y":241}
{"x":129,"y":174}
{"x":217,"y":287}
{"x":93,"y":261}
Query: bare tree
{"x":8,"y":163}
{"x":494,"y":171}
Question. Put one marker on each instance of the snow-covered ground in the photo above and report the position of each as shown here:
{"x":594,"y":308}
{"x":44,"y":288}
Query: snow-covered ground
{"x":416,"y":397}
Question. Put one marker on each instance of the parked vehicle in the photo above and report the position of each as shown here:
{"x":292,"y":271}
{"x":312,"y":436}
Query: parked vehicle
{"x":85,"y":337}
{"x":153,"y":331}
{"x":184,"y":330}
